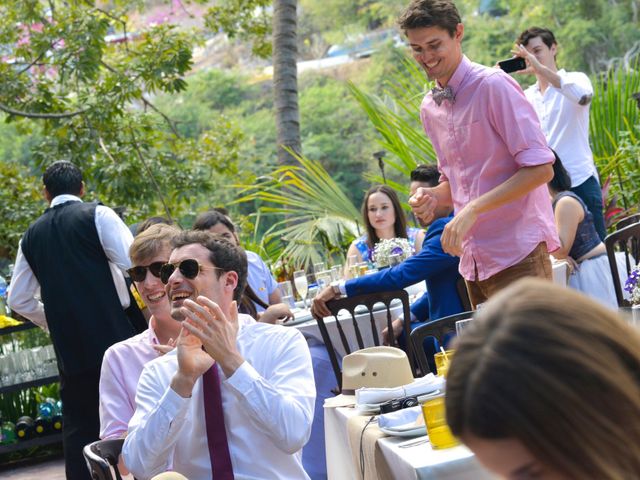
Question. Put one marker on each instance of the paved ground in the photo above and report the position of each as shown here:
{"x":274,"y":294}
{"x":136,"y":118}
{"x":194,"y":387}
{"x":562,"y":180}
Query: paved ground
{"x":49,"y":470}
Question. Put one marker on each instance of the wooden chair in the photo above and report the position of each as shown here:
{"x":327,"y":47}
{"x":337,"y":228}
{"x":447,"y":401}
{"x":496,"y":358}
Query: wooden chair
{"x":102,"y":455}
{"x":630,"y":220}
{"x":359,"y":320}
{"x":437,"y":329}
{"x":626,"y":240}
{"x":461,"y":287}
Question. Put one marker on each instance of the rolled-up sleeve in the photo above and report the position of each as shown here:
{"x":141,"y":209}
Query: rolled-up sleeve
{"x":576,"y":86}
{"x":280,"y":404}
{"x":515,"y":120}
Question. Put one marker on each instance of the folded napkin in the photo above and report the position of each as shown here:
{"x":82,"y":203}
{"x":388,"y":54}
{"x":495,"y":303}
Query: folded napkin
{"x":420,"y":386}
{"x":405,"y":419}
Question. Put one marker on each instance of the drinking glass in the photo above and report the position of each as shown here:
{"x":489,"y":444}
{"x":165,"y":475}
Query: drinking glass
{"x":302,"y":285}
{"x":434,"y":418}
{"x":336,"y":273}
{"x":352,"y":263}
{"x":323,"y":278}
{"x":319,"y":267}
{"x":287,"y":293}
{"x":462,"y":324}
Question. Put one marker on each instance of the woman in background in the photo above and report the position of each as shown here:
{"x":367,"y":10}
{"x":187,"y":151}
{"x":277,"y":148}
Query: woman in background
{"x":546,"y":385}
{"x":580,"y":243}
{"x":384,"y":219}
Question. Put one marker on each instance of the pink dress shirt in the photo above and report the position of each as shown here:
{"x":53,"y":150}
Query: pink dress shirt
{"x":121,"y":368}
{"x":481,"y":140}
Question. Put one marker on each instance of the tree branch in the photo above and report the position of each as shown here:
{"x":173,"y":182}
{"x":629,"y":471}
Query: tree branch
{"x":146,"y":102}
{"x":151,"y":176}
{"x":49,"y":116}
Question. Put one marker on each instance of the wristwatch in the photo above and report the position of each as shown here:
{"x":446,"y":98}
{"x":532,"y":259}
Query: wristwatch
{"x":335,"y":286}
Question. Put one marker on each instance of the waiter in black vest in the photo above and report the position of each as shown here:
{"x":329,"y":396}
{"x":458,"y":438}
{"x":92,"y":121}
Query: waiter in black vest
{"x":75,"y":254}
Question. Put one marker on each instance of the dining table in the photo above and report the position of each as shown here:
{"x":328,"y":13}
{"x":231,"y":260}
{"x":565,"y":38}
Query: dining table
{"x":354,"y":443}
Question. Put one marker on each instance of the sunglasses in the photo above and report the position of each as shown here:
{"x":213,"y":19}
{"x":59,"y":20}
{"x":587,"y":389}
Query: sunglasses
{"x":139,"y":273}
{"x":189,"y":268}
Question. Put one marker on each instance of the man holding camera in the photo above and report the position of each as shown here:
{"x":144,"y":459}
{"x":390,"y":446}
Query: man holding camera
{"x":562,"y":99}
{"x":493,"y":158}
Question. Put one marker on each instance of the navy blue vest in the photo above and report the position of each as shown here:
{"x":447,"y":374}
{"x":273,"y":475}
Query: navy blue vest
{"x":84,"y":314}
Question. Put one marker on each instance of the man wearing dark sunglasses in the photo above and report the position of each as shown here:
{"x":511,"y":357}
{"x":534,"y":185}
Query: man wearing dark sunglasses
{"x":232,"y":391}
{"x":124,"y":361}
{"x":75,"y":253}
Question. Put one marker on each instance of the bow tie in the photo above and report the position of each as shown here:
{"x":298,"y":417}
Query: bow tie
{"x":439,"y":94}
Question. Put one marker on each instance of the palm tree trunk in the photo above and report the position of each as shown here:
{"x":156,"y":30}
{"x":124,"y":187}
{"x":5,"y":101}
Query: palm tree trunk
{"x":285,"y":79}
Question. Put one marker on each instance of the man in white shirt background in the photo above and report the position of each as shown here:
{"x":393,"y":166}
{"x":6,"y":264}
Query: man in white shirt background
{"x":68,"y":279}
{"x":262,"y":373}
{"x":562,"y":100}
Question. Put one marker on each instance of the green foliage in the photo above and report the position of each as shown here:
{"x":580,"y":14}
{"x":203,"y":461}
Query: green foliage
{"x":245,"y":19}
{"x":89,"y":102}
{"x":315,"y":219}
{"x":396,"y":117}
{"x":20,"y":202}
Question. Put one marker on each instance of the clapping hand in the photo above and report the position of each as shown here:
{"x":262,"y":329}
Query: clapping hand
{"x":216,"y":330}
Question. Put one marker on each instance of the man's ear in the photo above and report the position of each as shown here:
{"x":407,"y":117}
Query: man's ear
{"x":81,"y":192}
{"x":231,"y":281}
{"x":45,"y":193}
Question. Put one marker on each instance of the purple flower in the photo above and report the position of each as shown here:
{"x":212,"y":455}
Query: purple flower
{"x":396,"y":251}
{"x":632,"y":281}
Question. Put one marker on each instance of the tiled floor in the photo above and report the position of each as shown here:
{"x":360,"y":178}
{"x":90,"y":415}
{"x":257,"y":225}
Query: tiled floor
{"x":49,"y":470}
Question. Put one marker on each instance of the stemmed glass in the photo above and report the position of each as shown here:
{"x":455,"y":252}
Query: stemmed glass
{"x":302,"y":285}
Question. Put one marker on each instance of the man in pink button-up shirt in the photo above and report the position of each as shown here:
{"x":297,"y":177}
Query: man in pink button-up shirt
{"x":492,"y":155}
{"x":123,"y":362}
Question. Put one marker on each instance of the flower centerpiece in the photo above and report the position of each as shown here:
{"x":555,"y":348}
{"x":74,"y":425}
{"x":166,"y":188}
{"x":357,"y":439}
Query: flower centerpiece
{"x":632,"y":285}
{"x":391,"y":251}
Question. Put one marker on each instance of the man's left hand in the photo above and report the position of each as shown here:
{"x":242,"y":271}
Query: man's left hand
{"x":456,"y":230}
{"x":216,"y":330}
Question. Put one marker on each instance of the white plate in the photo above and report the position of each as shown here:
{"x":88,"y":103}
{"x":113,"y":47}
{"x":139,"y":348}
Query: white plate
{"x":414,"y":432}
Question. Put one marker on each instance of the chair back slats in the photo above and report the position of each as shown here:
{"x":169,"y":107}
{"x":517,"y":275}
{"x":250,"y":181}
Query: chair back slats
{"x":101,"y":455}
{"x":361,"y":323}
{"x":629,"y":220}
{"x":438,"y":329}
{"x":627,"y":241}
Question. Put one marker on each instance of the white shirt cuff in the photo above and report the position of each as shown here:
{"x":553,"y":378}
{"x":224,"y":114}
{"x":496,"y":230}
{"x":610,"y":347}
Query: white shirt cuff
{"x":342,"y":287}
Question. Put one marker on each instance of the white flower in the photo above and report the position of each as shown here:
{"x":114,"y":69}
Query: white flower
{"x":392,"y":246}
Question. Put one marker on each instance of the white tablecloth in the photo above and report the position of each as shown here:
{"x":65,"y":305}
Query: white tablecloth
{"x":417,"y":462}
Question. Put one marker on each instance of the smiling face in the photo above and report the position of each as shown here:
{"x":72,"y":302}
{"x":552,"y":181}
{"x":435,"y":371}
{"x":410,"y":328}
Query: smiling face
{"x":151,"y":289}
{"x":543,"y":54}
{"x":437,"y":52}
{"x":206,"y":283}
{"x":380,"y":212}
{"x":510,"y":459}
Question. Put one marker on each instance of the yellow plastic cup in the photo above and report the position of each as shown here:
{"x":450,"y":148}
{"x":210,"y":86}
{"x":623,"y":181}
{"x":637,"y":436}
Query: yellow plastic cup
{"x":442,"y":362}
{"x":434,"y":418}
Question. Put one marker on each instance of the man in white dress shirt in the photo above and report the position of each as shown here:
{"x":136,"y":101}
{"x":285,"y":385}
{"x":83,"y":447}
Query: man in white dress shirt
{"x":266,"y":379}
{"x":562,"y":100}
{"x":68,"y":279}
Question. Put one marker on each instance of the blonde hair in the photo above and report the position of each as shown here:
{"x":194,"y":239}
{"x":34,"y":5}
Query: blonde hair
{"x":558,"y":372}
{"x":149,"y":242}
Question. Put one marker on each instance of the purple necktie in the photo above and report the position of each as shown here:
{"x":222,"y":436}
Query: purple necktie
{"x":221,"y":466}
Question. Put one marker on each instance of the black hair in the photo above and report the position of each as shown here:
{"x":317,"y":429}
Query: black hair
{"x":561,"y":180}
{"x":222,"y":254}
{"x":428,"y":174}
{"x":61,"y":178}
{"x":211,"y":218}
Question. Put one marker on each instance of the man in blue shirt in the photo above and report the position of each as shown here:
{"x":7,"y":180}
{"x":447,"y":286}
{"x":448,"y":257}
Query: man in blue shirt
{"x":438,"y":269}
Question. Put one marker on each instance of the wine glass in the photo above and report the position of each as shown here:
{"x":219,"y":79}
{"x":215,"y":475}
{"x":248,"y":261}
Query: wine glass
{"x":302,"y":285}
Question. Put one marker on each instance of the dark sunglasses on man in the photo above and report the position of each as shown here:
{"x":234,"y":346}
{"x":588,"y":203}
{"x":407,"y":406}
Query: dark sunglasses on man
{"x":139,"y":273}
{"x":189,"y":268}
